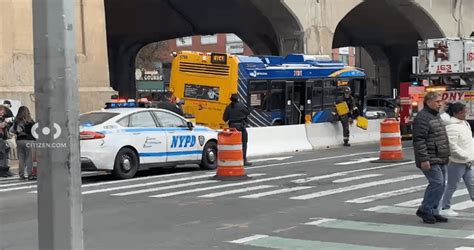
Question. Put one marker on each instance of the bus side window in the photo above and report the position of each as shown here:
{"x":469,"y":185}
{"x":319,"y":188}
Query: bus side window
{"x":330,"y":94}
{"x":317,"y":99}
{"x":259,"y":95}
{"x":277,"y":98}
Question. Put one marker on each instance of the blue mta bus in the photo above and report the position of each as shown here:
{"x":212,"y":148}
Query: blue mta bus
{"x":289,"y":90}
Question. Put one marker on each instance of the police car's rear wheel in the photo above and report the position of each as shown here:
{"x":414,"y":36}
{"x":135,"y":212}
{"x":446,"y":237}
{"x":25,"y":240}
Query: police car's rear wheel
{"x":126,"y":164}
{"x":209,"y":156}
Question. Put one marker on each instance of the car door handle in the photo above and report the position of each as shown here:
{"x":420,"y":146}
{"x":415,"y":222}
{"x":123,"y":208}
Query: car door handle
{"x":136,"y":133}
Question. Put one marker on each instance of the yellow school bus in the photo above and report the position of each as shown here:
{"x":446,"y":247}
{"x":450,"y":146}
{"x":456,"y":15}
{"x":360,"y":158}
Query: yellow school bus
{"x":205,"y":81}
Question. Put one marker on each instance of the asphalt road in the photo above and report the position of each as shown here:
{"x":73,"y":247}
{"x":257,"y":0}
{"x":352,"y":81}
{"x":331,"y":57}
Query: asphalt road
{"x":331,"y":199}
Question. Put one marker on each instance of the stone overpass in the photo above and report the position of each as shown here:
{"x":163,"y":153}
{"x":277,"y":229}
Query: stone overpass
{"x":111,"y":32}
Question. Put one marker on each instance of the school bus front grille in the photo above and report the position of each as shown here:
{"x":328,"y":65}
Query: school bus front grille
{"x":198,"y":68}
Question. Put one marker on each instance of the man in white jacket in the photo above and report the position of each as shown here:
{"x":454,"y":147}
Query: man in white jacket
{"x":462,"y":155}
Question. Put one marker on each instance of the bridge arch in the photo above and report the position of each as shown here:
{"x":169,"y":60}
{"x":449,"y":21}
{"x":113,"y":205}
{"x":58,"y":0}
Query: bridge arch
{"x":388,"y":30}
{"x":266,"y":26}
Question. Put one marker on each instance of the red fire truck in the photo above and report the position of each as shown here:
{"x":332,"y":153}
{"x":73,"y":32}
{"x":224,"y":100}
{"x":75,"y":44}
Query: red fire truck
{"x":443,"y":65}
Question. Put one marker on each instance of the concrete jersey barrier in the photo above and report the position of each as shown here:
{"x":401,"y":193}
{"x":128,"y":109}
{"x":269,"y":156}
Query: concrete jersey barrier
{"x":324,"y":135}
{"x":277,"y":139}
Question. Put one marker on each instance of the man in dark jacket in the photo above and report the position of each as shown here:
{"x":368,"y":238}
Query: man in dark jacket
{"x":431,"y":146}
{"x":236,"y":115}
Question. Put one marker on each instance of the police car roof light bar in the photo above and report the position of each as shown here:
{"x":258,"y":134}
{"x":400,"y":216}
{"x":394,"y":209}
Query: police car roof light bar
{"x":111,"y":105}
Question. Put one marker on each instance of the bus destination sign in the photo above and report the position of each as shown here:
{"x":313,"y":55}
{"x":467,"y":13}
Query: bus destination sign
{"x":219,"y":58}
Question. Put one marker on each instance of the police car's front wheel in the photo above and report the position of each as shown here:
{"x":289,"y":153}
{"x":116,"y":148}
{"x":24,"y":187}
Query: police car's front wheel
{"x":209,"y":156}
{"x":126,"y":164}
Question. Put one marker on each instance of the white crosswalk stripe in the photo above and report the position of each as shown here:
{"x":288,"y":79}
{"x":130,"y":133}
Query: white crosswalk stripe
{"x":16,"y":188}
{"x":417,"y":202}
{"x":463,"y":205}
{"x":278,"y":191}
{"x":360,"y":177}
{"x":108,"y":183}
{"x":357,"y":161}
{"x":165,"y":188}
{"x":317,"y":178}
{"x":154,"y":183}
{"x":236,"y":191}
{"x":386,"y":195}
{"x":17,"y":184}
{"x":171,"y":187}
{"x":355,"y":187}
{"x":321,"y":177}
{"x":225,"y":186}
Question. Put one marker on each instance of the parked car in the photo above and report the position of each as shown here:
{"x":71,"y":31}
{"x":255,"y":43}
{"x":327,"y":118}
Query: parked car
{"x":382,"y":104}
{"x":124,"y":140}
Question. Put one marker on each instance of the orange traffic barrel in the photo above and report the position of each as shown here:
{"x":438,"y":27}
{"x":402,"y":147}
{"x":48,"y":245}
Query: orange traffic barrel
{"x":391,"y":149}
{"x":230,"y":157}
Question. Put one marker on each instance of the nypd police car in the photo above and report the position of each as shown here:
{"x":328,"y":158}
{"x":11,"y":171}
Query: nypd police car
{"x":123,"y":139}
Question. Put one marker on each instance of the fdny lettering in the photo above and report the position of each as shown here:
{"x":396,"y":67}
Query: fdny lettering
{"x":452,"y":96}
{"x":183,"y":141}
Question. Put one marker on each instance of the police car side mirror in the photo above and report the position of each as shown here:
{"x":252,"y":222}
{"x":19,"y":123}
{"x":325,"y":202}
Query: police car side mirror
{"x":190,"y":125}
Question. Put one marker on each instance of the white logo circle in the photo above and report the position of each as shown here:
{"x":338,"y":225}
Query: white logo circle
{"x":46,"y":131}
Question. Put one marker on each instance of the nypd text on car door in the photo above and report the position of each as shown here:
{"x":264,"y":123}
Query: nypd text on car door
{"x":182,"y":141}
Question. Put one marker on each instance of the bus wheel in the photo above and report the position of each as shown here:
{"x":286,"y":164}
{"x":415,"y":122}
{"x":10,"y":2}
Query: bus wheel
{"x":278,"y":123}
{"x":209,"y":156}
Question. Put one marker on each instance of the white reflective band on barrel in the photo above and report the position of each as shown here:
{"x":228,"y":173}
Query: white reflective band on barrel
{"x":390,"y":135}
{"x":229,"y":147}
{"x":391,"y":148}
{"x":230,"y":163}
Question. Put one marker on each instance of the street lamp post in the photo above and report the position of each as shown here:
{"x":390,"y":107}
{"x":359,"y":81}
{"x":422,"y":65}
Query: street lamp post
{"x":60,"y":224}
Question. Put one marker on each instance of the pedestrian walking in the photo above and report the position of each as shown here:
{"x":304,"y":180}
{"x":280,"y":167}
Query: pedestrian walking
{"x":462,"y":155}
{"x":431,"y":146}
{"x":235,"y":115}
{"x":22,"y":129}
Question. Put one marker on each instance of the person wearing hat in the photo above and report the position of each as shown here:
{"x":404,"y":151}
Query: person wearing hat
{"x":235,"y":115}
{"x":347,"y":118}
{"x":8,"y":105}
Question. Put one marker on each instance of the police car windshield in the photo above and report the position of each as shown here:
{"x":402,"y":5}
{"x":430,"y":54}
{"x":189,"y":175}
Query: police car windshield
{"x":92,"y":119}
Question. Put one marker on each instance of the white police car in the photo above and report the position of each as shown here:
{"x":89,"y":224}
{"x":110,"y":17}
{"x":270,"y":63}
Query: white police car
{"x":123,"y":139}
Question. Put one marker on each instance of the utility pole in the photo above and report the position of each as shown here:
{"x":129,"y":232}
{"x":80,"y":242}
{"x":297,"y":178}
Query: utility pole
{"x":60,"y":224}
